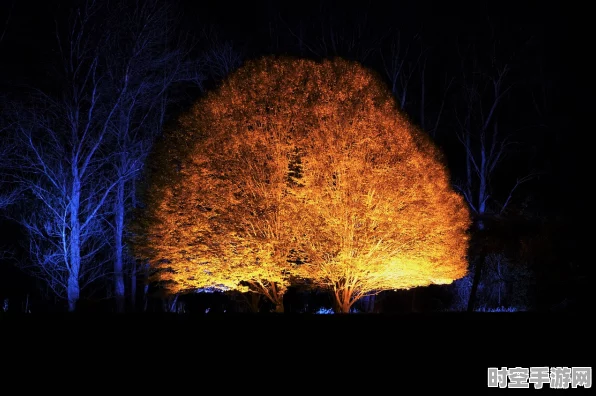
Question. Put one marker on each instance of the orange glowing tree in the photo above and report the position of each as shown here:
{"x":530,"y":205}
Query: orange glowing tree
{"x":298,"y":169}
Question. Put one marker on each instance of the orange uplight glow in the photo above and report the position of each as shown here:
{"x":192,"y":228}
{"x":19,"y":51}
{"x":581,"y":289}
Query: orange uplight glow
{"x":295,"y":169}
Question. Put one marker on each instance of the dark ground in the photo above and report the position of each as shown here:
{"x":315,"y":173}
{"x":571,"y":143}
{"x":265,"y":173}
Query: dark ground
{"x":439,"y":351}
{"x":497,"y":334}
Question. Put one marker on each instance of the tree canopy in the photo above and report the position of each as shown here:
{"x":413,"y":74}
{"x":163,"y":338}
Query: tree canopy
{"x":296,"y":169}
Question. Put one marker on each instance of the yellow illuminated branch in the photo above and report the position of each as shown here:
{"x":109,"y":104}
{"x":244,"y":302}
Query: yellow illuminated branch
{"x":297,"y":169}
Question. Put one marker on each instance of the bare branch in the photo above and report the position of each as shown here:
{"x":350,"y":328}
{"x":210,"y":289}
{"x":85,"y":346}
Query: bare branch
{"x":518,"y":182}
{"x":7,"y":21}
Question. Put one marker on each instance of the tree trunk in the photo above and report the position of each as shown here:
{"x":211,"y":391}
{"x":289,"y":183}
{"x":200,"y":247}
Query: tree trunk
{"x":277,"y":297}
{"x":475,"y":282}
{"x":272,"y":293}
{"x":343,"y":301}
{"x":479,"y":264}
{"x":73,"y":289}
{"x":254,"y":302}
{"x":368,"y":303}
{"x":170,"y":303}
{"x":73,"y":293}
{"x":133,"y":275}
{"x":371,"y":302}
{"x":344,"y":307}
{"x":133,"y":286}
{"x":146,"y":289}
{"x":119,"y":289}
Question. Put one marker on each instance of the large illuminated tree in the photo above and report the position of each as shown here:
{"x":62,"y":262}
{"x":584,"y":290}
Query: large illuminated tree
{"x":220,"y":210}
{"x":301,"y":169}
{"x":381,"y":213}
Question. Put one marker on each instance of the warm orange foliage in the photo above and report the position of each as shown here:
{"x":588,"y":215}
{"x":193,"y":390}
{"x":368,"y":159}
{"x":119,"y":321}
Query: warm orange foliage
{"x":301,"y":169}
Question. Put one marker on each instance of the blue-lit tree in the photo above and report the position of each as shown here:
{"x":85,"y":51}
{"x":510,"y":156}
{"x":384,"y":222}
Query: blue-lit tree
{"x":149,"y":55}
{"x":63,"y":159}
{"x":220,"y":57}
{"x":405,"y":64}
{"x":10,"y":192}
{"x":152,"y":55}
{"x":487,"y":138}
{"x":81,"y":146}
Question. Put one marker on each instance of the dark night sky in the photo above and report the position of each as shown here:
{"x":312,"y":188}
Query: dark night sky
{"x":557,"y":31}
{"x":559,"y":37}
{"x":30,"y":36}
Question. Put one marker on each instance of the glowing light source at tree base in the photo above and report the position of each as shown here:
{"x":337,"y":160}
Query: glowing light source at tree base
{"x":293,"y":171}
